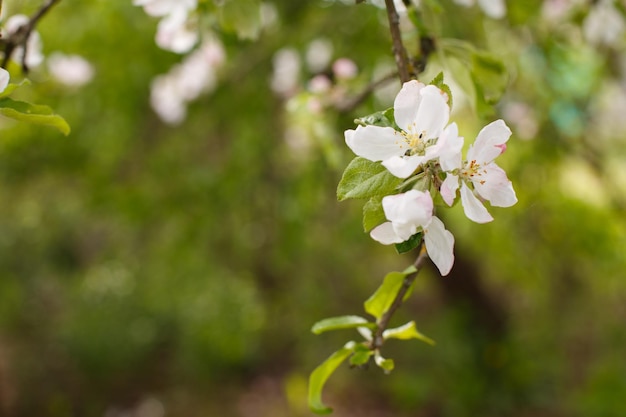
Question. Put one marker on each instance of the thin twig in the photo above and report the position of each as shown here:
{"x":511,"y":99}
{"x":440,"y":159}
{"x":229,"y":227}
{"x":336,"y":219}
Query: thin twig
{"x":383,"y":322}
{"x":399,"y":52}
{"x":22,"y":34}
{"x":350,"y":104}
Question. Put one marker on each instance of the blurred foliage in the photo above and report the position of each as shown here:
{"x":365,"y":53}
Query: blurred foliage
{"x":150,"y":270}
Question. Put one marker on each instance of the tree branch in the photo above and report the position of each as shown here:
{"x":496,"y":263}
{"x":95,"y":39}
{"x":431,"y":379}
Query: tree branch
{"x":399,"y":52}
{"x":22,"y":34}
{"x":383,"y":322}
{"x":350,"y":104}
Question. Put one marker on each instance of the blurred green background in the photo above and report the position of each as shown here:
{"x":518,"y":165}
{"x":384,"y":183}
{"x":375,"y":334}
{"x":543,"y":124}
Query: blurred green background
{"x":150,"y":270}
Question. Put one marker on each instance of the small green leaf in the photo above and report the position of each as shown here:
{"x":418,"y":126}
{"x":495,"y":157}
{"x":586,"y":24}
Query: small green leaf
{"x":33,"y":113}
{"x":489,"y":75}
{"x":321,"y":374}
{"x":382,"y":299}
{"x":361,"y":356}
{"x":408,"y":245}
{"x":439,"y":83}
{"x":386,"y":364}
{"x":242,"y":17}
{"x":341,"y":322}
{"x":406,"y":332}
{"x":373,"y":213}
{"x":365,"y":179}
{"x":381,"y":118}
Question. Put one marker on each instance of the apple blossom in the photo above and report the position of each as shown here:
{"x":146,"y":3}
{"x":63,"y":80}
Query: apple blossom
{"x":159,"y":8}
{"x":71,"y":70}
{"x":421,"y":112}
{"x":412,"y":212}
{"x":484,"y":176}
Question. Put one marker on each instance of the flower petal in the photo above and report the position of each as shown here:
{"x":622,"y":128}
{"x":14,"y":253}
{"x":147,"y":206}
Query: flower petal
{"x":385,"y":234}
{"x":447,"y":148}
{"x":496,"y":9}
{"x":406,"y":104}
{"x":439,"y":245}
{"x":448,"y":189}
{"x":474,"y":209}
{"x":495,"y":186}
{"x":411,"y":208}
{"x":433,"y":112}
{"x":488,"y":144}
{"x":403,"y":166}
{"x":375,"y":143}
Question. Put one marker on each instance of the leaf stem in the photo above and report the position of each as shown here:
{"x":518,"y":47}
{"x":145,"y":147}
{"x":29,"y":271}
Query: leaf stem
{"x":383,"y":322}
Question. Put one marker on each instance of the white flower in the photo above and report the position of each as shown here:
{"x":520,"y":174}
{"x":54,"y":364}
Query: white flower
{"x":496,"y":9}
{"x":486,"y":178}
{"x":176,"y":32}
{"x":170,"y":93}
{"x":409,"y":213}
{"x":158,"y":8}
{"x":4,"y":79}
{"x":604,"y":25}
{"x":71,"y":70}
{"x":422,"y":113}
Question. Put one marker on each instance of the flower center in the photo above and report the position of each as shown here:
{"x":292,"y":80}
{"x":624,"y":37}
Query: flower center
{"x":414,"y":140}
{"x":473,"y":171}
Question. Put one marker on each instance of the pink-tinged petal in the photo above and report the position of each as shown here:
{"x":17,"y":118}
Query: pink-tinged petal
{"x":375,"y":143}
{"x":406,"y":104}
{"x":433,"y":113}
{"x":439,"y":245}
{"x":494,"y":186}
{"x":488,"y":144}
{"x":385,"y":234}
{"x":403,"y":166}
{"x":473,"y":208}
{"x":448,"y":189}
{"x":411,"y":208}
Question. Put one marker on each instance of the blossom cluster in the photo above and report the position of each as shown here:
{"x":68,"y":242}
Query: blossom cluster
{"x":423,"y":145}
{"x":177,"y":30}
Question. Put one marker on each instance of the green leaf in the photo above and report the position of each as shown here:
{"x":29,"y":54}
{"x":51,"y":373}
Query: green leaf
{"x":408,"y":245}
{"x":341,"y":322}
{"x":489,"y":75}
{"x":361,"y":356}
{"x":365,"y":179}
{"x":242,"y":17}
{"x":382,"y":299}
{"x":406,"y":332}
{"x":321,"y":374}
{"x":439,"y":83}
{"x":373,"y":213}
{"x":33,"y":113}
{"x":386,"y":364}
{"x":381,"y":118}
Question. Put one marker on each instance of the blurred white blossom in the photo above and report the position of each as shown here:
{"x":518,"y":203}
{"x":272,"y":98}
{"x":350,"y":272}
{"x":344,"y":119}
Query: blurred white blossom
{"x":496,"y":9}
{"x":71,"y":70}
{"x":286,"y":71}
{"x":34,"y":46}
{"x":197,"y":74}
{"x":177,"y":30}
{"x":159,"y":8}
{"x":604,"y":25}
{"x":318,"y":55}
